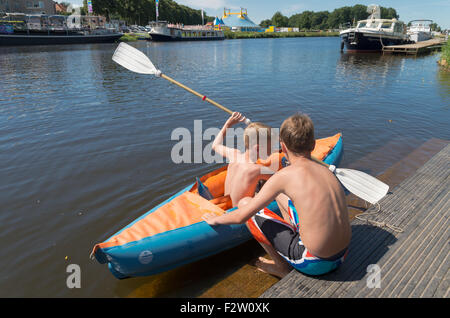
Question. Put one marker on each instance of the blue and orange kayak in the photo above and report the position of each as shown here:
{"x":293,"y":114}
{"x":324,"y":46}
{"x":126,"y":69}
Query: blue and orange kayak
{"x":173,"y":233}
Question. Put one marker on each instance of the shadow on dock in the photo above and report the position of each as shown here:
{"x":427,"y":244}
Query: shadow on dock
{"x":359,"y":257}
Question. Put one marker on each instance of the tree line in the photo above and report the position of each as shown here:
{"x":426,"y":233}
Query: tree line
{"x":322,"y":20}
{"x":143,"y":11}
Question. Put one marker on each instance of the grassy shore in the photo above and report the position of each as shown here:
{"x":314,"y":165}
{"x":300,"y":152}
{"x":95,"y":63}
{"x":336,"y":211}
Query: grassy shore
{"x":258,"y":35}
{"x":445,"y":56}
{"x":128,"y":38}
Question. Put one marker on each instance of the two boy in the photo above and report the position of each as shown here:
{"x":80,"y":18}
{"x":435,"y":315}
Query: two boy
{"x":314,"y":233}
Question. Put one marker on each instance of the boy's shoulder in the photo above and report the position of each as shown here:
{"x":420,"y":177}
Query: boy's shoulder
{"x":293,"y":169}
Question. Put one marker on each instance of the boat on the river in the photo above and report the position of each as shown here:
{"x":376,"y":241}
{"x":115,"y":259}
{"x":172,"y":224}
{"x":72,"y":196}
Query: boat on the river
{"x":173,"y":233}
{"x":420,"y":30}
{"x":21,"y":29}
{"x":372,"y":34}
{"x":162,"y":31}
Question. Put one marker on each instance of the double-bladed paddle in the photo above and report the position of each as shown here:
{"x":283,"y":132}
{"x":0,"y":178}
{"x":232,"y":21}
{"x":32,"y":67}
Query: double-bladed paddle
{"x":357,"y":182}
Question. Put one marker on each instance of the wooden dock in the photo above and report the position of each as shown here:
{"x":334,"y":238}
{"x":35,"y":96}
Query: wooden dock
{"x":408,"y":240}
{"x":414,"y":48}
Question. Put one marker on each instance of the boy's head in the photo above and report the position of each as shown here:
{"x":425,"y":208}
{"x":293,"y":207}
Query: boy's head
{"x":297,"y":134}
{"x":257,"y":138}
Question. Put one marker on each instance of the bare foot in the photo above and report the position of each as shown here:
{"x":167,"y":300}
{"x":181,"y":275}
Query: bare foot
{"x":268,"y":266}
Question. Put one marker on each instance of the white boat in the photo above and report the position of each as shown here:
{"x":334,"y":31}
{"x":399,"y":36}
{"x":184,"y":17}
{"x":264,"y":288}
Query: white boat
{"x":420,"y":30}
{"x":372,"y":34}
{"x":163,"y":31}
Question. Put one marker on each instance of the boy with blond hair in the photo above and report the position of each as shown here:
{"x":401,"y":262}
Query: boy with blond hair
{"x":243,"y":173}
{"x":314,"y":233}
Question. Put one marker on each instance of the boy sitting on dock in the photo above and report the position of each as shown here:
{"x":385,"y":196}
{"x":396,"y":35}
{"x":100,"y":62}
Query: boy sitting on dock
{"x":314,"y":233}
{"x":243,"y":173}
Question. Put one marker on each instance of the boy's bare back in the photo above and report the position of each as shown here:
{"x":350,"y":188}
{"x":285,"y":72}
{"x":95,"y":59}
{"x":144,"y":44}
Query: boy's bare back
{"x":242,"y":174}
{"x":321,"y":205}
{"x":242,"y":179}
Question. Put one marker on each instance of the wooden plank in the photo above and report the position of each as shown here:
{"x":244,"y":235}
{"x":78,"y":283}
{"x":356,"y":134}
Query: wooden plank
{"x":420,"y":204}
{"x":414,"y":48}
{"x":424,"y":208}
{"x":410,"y":232}
{"x":402,"y":259}
{"x":438,"y":268}
{"x":443,"y":290}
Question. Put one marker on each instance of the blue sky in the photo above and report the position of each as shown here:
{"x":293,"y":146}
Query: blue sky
{"x":436,"y":10}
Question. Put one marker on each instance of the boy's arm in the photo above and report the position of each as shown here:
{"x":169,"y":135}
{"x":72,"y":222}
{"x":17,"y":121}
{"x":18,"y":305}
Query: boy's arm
{"x":268,"y":193}
{"x":217,"y":145}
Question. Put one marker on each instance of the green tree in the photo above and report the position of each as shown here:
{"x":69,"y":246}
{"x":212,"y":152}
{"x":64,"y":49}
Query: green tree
{"x":388,"y":13}
{"x":325,"y":19}
{"x":435,"y":27}
{"x":359,"y":12}
{"x":266,"y":23}
{"x":143,"y":11}
{"x":319,"y":20}
{"x":279,"y":20}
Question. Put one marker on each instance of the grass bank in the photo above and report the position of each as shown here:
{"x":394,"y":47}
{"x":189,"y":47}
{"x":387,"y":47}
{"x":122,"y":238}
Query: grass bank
{"x":128,"y":38}
{"x":445,"y":56}
{"x":259,"y":35}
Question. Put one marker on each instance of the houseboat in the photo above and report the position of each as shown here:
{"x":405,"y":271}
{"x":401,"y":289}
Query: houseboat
{"x":372,"y":34}
{"x":163,"y":31}
{"x":21,"y":29}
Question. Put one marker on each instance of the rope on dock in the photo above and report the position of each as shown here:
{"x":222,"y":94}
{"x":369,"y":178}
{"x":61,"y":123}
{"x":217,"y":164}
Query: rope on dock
{"x":376,"y":223}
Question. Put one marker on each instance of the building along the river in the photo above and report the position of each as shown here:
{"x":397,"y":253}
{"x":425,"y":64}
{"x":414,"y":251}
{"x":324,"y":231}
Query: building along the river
{"x":28,"y":6}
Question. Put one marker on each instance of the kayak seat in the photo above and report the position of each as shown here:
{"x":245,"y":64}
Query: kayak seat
{"x":223,"y":202}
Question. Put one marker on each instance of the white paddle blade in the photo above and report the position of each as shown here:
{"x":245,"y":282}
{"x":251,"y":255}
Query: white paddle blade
{"x":133,"y":59}
{"x":362,"y":185}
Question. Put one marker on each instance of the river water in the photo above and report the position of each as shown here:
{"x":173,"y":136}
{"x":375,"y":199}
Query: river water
{"x":85,"y":145}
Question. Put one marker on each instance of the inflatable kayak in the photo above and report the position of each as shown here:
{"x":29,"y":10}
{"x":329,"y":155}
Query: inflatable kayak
{"x":173,"y":233}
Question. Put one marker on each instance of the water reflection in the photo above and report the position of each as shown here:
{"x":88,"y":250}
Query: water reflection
{"x":369,"y":67}
{"x":443,"y":78}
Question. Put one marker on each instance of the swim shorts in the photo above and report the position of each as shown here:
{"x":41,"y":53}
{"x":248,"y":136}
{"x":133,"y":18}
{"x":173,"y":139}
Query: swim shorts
{"x":269,"y":228}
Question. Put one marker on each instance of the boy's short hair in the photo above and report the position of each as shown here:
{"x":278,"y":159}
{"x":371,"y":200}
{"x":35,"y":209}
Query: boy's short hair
{"x":255,"y":130}
{"x":297,"y":133}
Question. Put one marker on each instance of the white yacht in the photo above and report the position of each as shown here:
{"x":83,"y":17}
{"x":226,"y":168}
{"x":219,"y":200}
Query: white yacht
{"x":372,"y":34}
{"x":420,"y":30}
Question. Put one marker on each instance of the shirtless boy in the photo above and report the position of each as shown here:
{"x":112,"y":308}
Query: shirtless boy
{"x":313,"y":205}
{"x":243,"y":173}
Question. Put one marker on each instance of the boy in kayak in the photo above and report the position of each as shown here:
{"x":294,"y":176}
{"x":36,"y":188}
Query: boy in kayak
{"x":243,"y":173}
{"x":314,"y":233}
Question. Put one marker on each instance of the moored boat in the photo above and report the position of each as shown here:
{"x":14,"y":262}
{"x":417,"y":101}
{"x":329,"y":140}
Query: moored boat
{"x":419,"y":30}
{"x":372,"y":34}
{"x":21,"y":29}
{"x":173,"y":233}
{"x":161,"y":31}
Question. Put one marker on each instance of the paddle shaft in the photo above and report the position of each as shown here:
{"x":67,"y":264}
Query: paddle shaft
{"x":203,"y":97}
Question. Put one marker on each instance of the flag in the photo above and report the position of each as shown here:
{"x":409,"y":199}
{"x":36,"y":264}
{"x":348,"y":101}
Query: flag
{"x":157,"y":13}
{"x":89,"y":3}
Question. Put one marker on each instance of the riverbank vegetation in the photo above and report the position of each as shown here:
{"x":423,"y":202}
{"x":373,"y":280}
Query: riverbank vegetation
{"x":324,"y":20}
{"x":259,"y":35}
{"x":445,"y":56}
{"x":128,"y":38}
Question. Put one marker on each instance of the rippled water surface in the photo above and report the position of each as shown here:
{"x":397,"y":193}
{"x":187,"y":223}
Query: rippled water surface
{"x":85,"y":144}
